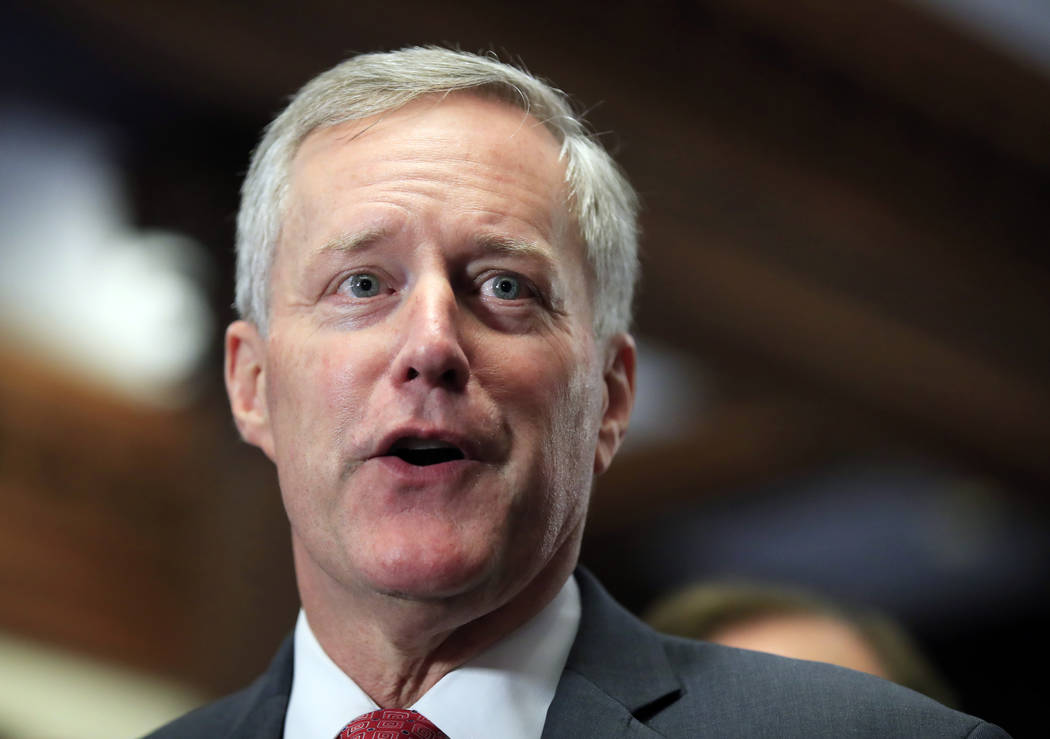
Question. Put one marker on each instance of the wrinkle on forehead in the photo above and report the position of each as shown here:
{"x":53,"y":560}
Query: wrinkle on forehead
{"x":420,"y":113}
{"x":362,"y":182}
{"x":424,"y":104}
{"x":465,"y":150}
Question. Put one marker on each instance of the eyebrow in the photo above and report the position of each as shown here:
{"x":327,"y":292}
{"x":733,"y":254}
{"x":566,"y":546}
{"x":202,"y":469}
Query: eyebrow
{"x":352,"y":242}
{"x":495,"y":244}
{"x":488,"y":243}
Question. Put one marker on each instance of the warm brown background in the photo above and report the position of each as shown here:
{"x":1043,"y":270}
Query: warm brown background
{"x":845,"y":225}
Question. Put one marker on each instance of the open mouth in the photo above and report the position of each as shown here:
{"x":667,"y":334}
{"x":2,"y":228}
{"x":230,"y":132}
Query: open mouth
{"x":425,"y":452}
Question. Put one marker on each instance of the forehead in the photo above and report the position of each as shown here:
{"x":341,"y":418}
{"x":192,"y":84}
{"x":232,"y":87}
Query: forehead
{"x":477,"y":144}
{"x":458,"y":172}
{"x":477,"y":117}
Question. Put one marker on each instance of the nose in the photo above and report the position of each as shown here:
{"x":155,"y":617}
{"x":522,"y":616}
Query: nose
{"x":431,"y":353}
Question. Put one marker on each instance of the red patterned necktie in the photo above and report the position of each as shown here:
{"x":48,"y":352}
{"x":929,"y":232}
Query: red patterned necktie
{"x":391,"y":723}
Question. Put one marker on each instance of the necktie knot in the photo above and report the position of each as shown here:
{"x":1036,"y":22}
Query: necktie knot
{"x":391,"y":723}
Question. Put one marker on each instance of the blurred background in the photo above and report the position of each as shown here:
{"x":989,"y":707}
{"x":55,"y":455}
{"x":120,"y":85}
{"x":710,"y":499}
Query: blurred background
{"x":845,"y":356}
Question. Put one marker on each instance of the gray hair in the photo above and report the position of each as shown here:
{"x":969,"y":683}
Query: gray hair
{"x":601,"y":201}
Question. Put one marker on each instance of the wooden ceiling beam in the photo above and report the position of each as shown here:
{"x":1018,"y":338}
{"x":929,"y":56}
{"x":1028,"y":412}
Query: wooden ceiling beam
{"x":716,"y":295}
{"x":908,"y":53}
{"x":735,"y":446}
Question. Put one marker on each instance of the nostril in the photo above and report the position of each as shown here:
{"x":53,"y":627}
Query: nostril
{"x":448,"y":378}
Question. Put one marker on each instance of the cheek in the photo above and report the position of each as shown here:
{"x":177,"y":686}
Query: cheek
{"x":539,"y":383}
{"x":314,"y":414}
{"x":556,"y":399}
{"x":574,"y":426}
{"x":568,"y":456}
{"x":311,"y":396}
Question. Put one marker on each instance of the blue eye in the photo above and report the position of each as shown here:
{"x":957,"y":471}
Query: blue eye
{"x":363,"y":285}
{"x":504,"y":287}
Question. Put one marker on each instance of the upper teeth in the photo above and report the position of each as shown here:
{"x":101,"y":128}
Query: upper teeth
{"x":422,"y":444}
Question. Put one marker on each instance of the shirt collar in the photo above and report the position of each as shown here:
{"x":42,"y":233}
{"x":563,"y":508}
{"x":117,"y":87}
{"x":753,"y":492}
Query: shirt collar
{"x":506,"y":689}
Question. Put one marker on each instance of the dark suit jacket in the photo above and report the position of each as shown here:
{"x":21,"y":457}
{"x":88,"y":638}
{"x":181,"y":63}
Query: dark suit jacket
{"x":624,"y":680}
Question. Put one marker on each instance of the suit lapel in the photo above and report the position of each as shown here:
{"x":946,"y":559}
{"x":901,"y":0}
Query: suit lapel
{"x":617,"y":674}
{"x":266,"y":700}
{"x":581,"y":708}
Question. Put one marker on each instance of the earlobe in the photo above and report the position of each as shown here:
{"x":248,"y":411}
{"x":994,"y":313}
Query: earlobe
{"x":619,"y":399}
{"x":245,"y":375}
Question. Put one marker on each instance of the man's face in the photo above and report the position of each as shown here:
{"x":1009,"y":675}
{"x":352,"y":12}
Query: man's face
{"x":430,"y":389}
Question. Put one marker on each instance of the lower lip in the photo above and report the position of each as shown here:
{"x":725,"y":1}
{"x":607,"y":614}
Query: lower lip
{"x":428,"y":474}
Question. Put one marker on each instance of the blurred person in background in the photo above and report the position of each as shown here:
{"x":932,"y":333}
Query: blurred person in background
{"x":436,"y":265}
{"x":798,"y":624}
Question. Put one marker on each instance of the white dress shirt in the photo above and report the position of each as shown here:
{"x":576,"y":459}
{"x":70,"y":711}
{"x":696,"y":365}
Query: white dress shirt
{"x":506,"y":689}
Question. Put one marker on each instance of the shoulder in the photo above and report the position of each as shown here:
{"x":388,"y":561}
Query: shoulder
{"x":694,"y":688}
{"x":257,"y":711}
{"x":213,"y":720}
{"x":760,"y":694}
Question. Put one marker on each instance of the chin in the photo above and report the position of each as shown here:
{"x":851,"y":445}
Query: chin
{"x":417,"y":572}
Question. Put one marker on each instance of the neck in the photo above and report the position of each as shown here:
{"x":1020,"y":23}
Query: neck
{"x":397,"y":648}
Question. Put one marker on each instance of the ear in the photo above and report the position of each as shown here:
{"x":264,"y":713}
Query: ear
{"x":619,"y":398}
{"x":245,"y":371}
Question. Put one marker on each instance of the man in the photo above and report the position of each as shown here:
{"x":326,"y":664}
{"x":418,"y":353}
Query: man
{"x":435,"y":273}
{"x":768,"y":617}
